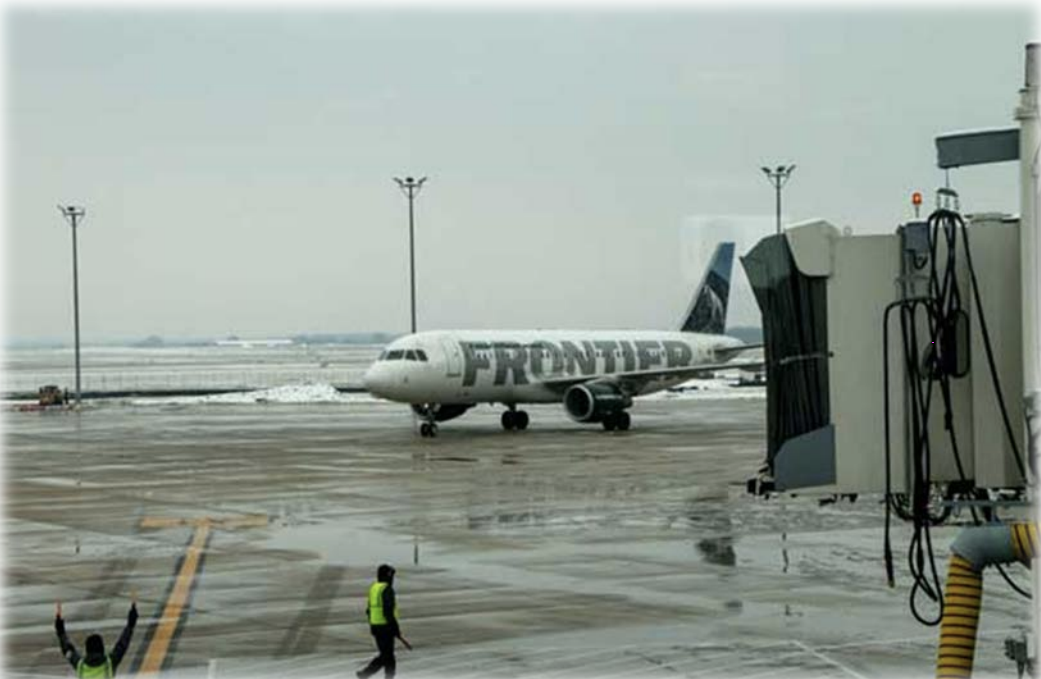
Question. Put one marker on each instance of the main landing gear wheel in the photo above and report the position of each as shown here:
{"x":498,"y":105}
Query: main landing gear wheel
{"x":620,"y":421}
{"x":515,"y":419}
{"x":428,"y":430}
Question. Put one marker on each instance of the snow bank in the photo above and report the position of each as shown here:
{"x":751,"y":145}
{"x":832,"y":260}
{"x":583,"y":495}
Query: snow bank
{"x":708,"y":390}
{"x":694,"y":390}
{"x":290,"y":393}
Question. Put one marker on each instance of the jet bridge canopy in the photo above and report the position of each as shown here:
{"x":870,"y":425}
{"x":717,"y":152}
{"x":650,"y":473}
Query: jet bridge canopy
{"x":795,"y":339}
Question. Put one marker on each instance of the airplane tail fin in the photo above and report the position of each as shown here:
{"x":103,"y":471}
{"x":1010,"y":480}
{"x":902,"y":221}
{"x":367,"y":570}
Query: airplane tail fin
{"x":708,"y":310}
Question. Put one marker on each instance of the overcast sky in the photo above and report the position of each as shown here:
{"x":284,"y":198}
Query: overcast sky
{"x":236,"y":165}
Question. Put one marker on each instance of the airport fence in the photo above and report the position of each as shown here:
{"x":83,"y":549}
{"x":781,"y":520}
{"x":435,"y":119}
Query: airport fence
{"x":102,"y":381}
{"x":186,"y":370}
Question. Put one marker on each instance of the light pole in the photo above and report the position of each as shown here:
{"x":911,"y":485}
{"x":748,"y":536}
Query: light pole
{"x":410,"y":187}
{"x":74,"y":214}
{"x":778,"y":177}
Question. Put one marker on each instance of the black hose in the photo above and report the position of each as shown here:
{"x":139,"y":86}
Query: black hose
{"x":940,"y":311}
{"x":989,"y":350}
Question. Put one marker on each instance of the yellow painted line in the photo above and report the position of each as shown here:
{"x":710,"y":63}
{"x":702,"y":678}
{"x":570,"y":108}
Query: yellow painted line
{"x":161,"y":522}
{"x":175,"y":603}
{"x":178,"y":599}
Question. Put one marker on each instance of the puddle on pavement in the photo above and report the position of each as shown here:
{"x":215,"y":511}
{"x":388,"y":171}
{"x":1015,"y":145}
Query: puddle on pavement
{"x":344,"y":545}
{"x":718,"y":551}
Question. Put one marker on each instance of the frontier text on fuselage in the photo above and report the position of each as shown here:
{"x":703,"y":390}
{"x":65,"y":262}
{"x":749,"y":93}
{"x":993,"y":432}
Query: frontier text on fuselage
{"x":517,"y":363}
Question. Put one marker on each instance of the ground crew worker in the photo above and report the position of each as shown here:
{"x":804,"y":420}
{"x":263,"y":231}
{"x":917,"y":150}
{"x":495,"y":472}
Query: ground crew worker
{"x":382,"y":611}
{"x":96,"y":663}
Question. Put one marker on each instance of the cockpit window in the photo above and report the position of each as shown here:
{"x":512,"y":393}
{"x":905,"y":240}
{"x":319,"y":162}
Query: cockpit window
{"x":383,"y":355}
{"x":404,"y":355}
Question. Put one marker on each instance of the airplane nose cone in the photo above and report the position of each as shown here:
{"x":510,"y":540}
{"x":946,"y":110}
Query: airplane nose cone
{"x":374,"y":380}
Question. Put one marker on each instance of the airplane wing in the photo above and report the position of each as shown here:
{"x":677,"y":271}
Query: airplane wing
{"x":635,"y":380}
{"x":727,"y":354}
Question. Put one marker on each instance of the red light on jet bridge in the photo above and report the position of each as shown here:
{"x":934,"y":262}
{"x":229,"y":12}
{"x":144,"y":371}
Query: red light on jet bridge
{"x":916,"y":198}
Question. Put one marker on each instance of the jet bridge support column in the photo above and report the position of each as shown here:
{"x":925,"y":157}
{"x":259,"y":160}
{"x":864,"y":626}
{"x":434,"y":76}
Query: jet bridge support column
{"x":1030,"y":239}
{"x":1030,"y":271}
{"x":980,"y":546}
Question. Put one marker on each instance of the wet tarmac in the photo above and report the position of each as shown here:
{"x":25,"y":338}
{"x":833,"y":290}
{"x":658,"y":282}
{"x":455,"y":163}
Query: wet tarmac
{"x":556,"y":552}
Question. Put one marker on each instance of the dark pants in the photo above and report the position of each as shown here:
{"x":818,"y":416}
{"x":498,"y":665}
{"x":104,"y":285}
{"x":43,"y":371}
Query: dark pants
{"x":385,"y":643}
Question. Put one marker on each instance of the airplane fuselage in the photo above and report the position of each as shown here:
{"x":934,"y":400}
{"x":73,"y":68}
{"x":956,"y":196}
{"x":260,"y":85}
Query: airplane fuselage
{"x":512,"y":367}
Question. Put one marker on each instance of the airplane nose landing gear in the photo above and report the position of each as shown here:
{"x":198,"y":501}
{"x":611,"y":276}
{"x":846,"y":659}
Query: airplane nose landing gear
{"x":428,"y":413}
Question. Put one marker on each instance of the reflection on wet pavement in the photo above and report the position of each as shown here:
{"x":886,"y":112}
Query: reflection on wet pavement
{"x":562,"y":551}
{"x":719,"y":551}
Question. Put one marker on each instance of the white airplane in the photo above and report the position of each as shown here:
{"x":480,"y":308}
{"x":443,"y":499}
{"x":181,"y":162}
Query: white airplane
{"x":594,"y":373}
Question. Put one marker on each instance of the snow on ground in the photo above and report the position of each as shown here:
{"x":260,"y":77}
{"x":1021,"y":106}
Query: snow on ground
{"x":289,"y":393}
{"x":696,"y":390}
{"x":709,"y":389}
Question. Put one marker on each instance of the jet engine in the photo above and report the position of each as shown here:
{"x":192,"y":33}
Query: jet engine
{"x":595,"y":401}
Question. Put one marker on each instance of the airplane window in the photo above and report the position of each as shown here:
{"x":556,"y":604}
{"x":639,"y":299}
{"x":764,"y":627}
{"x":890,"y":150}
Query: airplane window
{"x":395,"y":355}
{"x":410,"y":355}
{"x":422,"y":355}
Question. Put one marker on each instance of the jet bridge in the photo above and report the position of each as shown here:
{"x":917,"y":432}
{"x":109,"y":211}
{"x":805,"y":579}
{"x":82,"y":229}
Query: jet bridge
{"x":837,"y":372}
{"x":909,"y":364}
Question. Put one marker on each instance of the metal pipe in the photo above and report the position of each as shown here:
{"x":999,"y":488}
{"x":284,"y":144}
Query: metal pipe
{"x":778,"y":177}
{"x":410,"y":187}
{"x":778,"y":209}
{"x":73,"y":214}
{"x":412,"y":254}
{"x":76,"y":305}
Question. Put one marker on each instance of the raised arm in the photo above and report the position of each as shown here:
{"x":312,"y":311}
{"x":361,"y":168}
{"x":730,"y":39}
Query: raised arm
{"x":123,"y":643}
{"x":67,"y":649}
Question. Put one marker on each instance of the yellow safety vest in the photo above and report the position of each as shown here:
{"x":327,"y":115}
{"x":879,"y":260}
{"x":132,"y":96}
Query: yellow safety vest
{"x":85,"y":671}
{"x":376,"y":616}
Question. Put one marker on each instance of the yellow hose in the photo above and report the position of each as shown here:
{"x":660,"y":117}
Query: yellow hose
{"x":964,"y":591}
{"x":961,"y":616}
{"x":1024,"y":541}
